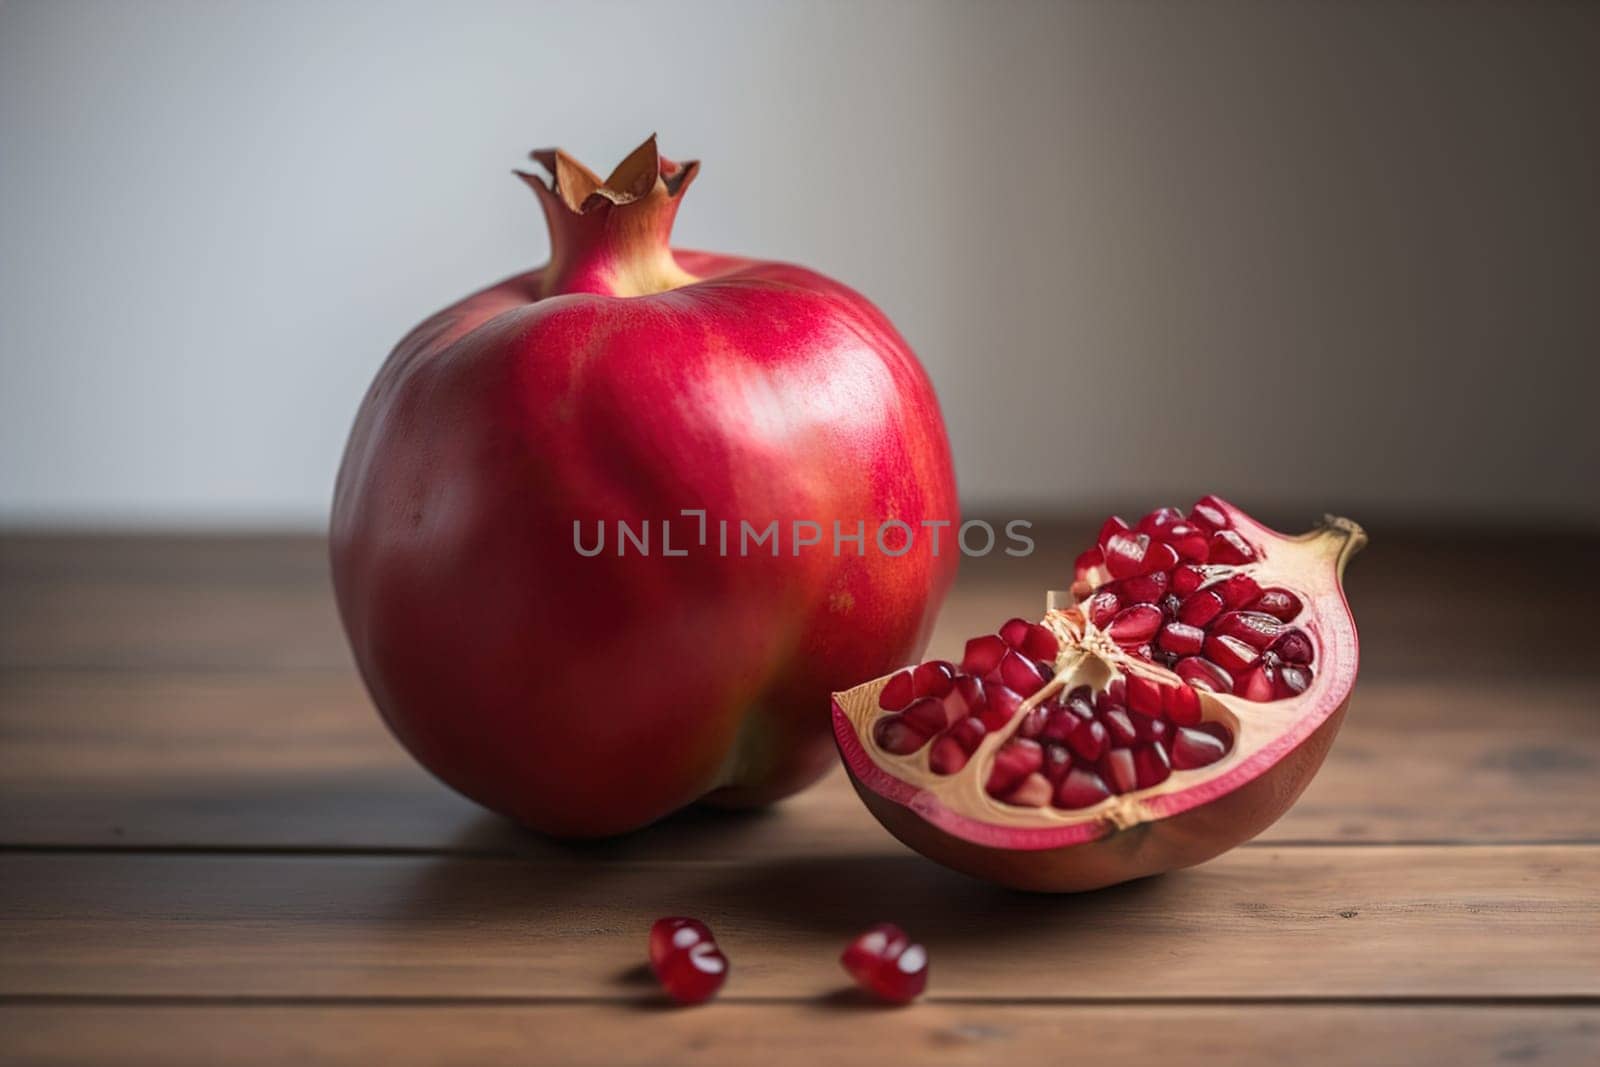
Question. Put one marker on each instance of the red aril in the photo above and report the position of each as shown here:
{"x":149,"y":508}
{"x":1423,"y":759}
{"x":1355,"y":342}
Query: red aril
{"x":1132,"y":756}
{"x":612,"y":389}
{"x":885,"y":963}
{"x":686,"y":959}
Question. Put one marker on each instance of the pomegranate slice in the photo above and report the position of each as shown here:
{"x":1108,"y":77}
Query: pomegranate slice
{"x":1197,"y":719}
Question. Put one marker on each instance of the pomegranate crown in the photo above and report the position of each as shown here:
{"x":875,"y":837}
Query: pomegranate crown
{"x":611,"y":236}
{"x":581,"y":191}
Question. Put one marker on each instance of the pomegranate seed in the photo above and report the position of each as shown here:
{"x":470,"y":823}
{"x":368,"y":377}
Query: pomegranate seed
{"x":1057,"y":762}
{"x":1020,"y":674}
{"x":1120,"y":726}
{"x":983,"y":654}
{"x":1209,"y":514}
{"x":1079,"y":703}
{"x":1203,"y":674}
{"x":1201,"y":607}
{"x":1086,"y":562}
{"x":1118,"y":771}
{"x":897,"y":693}
{"x":1032,"y":792}
{"x":1294,"y":647}
{"x":1032,"y":725}
{"x":946,"y":757}
{"x":1182,"y":704}
{"x":965,"y":699}
{"x":1195,"y":748}
{"x":1229,"y":653}
{"x":1160,"y":557}
{"x":1252,"y":627}
{"x":1109,"y":529}
{"x":1181,"y":639}
{"x":1089,"y":741}
{"x":1258,"y":683}
{"x":1144,"y":695}
{"x":1015,"y":760}
{"x":1187,"y":578}
{"x":1014,"y":631}
{"x":893,"y":734}
{"x":1279,"y":603}
{"x":1081,"y":788}
{"x":1228,"y":547}
{"x":1159,"y":520}
{"x":1151,"y":766}
{"x":1143,"y":588}
{"x":1135,"y":625}
{"x":686,"y":960}
{"x":1125,"y":554}
{"x":1189,"y":542}
{"x":665,"y":936}
{"x":969,"y":734}
{"x":927,"y":716}
{"x":1040,"y":643}
{"x":1058,"y":724}
{"x":954,"y":706}
{"x":1000,"y":706}
{"x":933,"y":679}
{"x":950,"y":753}
{"x":1102,"y":608}
{"x":1238,"y":590}
{"x":1152,"y":729}
{"x":885,"y":963}
{"x":1114,"y":695}
{"x":1293,"y":680}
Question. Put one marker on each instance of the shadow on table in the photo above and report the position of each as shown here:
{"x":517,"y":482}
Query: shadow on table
{"x":833,"y":895}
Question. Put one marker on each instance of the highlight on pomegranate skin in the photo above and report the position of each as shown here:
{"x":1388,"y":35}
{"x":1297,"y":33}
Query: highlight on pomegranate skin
{"x":1193,"y":665}
{"x":886,"y":964}
{"x":686,"y":960}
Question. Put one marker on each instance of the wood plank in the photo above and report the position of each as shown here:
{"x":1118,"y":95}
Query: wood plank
{"x":282,"y":760}
{"x":1497,"y":922}
{"x":838,"y":1030}
{"x":129,"y":602}
{"x":210,"y":603}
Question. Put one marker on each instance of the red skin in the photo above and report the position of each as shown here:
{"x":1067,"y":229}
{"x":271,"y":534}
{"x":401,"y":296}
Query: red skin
{"x":589,"y":696}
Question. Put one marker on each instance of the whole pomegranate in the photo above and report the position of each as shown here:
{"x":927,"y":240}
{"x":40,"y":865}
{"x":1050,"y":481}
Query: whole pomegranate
{"x":1171,"y":706}
{"x":584,"y":536}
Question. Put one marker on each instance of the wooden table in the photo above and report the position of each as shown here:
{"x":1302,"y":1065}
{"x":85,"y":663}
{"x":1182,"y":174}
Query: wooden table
{"x":213,"y":852}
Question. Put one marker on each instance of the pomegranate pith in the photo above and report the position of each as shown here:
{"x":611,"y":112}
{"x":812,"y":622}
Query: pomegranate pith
{"x":1196,"y":718}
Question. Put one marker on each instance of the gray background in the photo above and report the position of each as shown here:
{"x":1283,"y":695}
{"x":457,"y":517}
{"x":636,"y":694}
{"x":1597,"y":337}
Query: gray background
{"x":1309,"y":255}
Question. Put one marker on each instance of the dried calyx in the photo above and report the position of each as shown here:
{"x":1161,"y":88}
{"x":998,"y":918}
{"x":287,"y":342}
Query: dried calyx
{"x":611,"y":235}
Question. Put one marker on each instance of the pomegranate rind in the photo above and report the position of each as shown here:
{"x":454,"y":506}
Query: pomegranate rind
{"x":1191,"y":817}
{"x":1119,"y":855}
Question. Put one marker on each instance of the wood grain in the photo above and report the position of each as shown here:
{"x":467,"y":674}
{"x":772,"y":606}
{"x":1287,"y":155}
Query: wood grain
{"x":211,"y":850}
{"x":1454,"y":603}
{"x":1264,"y":922}
{"x":841,"y":1030}
{"x":301,"y":760}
